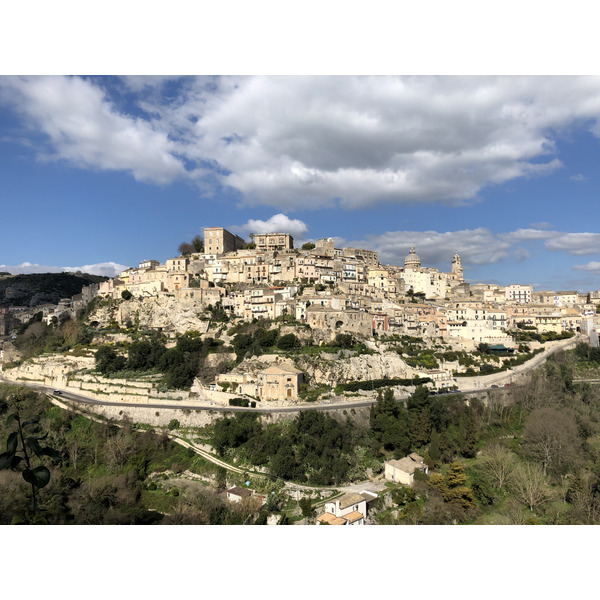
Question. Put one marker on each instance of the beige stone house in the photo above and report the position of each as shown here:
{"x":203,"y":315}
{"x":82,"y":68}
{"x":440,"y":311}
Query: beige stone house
{"x":403,"y":470}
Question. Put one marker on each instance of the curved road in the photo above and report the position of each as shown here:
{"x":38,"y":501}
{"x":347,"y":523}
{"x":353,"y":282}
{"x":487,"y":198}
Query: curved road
{"x":479,"y":384}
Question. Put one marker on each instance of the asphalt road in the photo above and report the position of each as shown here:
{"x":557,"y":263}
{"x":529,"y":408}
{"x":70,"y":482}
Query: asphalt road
{"x":289,"y":409}
{"x":284,"y":409}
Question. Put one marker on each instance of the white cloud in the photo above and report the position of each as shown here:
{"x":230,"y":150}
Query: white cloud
{"x":575,"y":243}
{"x":279,"y":223}
{"x":108,"y":269}
{"x":579,"y":177}
{"x":309,"y":142}
{"x":593,"y":266}
{"x":475,"y":246}
{"x":528,"y":235}
{"x":521,"y":254}
{"x":85,"y":129}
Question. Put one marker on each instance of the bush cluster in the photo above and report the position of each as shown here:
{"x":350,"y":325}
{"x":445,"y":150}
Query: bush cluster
{"x":373,"y":384}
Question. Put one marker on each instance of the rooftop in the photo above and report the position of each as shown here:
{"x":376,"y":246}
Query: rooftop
{"x":330,"y":519}
{"x":349,"y":499}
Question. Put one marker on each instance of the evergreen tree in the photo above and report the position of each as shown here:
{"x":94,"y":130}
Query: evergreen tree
{"x":418,"y":400}
{"x":420,"y":430}
{"x":446,"y":451}
{"x":468,"y":434}
{"x":456,"y":475}
{"x":434,"y":446}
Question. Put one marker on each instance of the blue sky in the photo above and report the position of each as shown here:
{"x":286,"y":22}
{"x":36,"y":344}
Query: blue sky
{"x":99,"y":173}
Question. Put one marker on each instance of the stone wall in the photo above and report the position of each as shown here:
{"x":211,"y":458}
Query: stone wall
{"x":161,"y":417}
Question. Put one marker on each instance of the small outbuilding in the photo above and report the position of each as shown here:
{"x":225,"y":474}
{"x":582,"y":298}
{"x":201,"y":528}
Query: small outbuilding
{"x":403,"y":470}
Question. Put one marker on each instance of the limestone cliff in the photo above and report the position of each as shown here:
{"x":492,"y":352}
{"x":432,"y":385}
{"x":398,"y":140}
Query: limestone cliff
{"x":328,"y":369}
{"x":166,"y":312}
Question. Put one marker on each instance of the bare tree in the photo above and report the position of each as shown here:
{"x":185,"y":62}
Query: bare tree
{"x":529,"y":485}
{"x":499,"y":463}
{"x":117,"y":449}
{"x":551,"y":437}
{"x":582,"y":496}
{"x":185,"y":248}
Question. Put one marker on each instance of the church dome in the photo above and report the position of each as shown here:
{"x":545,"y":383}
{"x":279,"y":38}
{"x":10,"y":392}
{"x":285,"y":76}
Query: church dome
{"x":412,"y":260}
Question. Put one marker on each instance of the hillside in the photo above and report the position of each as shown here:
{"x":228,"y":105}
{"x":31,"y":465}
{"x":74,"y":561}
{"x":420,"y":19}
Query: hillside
{"x":43,"y":288}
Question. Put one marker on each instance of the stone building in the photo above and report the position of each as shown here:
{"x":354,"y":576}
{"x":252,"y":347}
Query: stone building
{"x":429,"y":281}
{"x":274,"y":241}
{"x":218,"y":240}
{"x":279,"y":382}
{"x":350,"y":509}
{"x":339,"y":321}
{"x":521,"y":294}
{"x":403,"y":470}
{"x":369,"y":257}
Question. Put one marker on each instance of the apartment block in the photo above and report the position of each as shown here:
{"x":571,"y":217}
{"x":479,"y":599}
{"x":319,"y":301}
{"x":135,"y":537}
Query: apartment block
{"x":518,"y":293}
{"x":274,"y":241}
{"x":369,"y":257}
{"x":218,"y":240}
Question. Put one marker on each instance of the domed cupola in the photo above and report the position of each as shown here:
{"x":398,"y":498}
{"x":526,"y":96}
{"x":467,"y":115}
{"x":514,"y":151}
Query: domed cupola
{"x":412,"y":261}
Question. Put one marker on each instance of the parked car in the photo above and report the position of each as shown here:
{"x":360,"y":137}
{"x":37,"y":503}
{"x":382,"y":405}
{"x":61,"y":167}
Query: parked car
{"x":494,"y":386}
{"x":57,"y":392}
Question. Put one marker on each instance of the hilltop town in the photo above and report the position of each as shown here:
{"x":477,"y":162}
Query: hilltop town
{"x":342,"y":302}
{"x":274,"y":332}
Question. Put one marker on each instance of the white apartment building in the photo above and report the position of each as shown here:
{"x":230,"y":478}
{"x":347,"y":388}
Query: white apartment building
{"x":518,"y":293}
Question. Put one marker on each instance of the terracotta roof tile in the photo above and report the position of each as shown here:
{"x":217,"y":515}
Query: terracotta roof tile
{"x":331,"y":519}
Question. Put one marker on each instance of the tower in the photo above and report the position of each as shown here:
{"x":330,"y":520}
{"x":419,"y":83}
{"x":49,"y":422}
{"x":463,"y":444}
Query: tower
{"x":457,"y":269}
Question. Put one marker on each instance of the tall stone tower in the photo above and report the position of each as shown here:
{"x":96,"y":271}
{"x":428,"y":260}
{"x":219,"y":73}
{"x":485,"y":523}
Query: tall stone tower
{"x":457,"y":269}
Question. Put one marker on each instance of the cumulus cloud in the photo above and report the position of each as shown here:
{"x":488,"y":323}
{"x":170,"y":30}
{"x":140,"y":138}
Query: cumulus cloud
{"x":108,"y":269}
{"x":278,"y":223}
{"x":593,"y":267}
{"x":312,"y":142}
{"x":475,"y":246}
{"x":85,"y":129}
{"x":575,"y":243}
{"x":528,"y":235}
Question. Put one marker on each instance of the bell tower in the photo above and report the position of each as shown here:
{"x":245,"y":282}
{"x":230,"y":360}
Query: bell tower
{"x":457,"y":269}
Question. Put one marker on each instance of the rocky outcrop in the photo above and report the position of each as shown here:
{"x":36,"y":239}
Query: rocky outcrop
{"x":330,"y":368}
{"x":50,"y":370}
{"x":326,"y":368}
{"x":165,"y":312}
